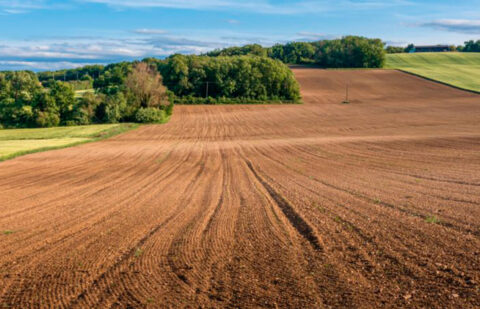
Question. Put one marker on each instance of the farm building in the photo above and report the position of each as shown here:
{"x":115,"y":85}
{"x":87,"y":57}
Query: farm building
{"x":431,"y":49}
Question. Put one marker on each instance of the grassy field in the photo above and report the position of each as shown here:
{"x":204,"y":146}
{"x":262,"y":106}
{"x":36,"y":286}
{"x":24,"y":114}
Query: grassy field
{"x":18,"y":142}
{"x":80,"y":93}
{"x":458,"y":69}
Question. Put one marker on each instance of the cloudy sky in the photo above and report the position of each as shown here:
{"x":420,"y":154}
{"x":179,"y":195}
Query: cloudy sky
{"x":53,"y":34}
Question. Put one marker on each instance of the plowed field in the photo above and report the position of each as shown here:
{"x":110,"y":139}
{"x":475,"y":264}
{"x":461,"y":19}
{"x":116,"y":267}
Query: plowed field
{"x":375,"y":203}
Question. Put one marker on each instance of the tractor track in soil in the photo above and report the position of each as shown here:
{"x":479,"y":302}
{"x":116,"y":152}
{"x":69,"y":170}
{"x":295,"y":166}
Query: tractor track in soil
{"x":369,"y":204}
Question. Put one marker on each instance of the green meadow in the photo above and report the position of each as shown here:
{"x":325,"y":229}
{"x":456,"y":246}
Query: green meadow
{"x":16,"y":142}
{"x":461,"y":70}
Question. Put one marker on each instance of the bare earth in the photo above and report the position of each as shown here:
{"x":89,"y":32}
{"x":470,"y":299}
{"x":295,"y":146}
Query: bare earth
{"x":371,"y":204}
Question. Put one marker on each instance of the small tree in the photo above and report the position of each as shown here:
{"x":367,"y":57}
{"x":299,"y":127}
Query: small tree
{"x":146,"y":85}
{"x":410,"y":48}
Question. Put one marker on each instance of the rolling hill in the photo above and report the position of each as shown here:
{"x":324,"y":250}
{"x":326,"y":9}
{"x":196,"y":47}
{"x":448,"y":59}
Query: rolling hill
{"x":461,"y":70}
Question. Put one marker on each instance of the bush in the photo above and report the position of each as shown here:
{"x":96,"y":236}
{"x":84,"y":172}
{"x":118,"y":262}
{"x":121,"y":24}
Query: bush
{"x":112,"y":109}
{"x":191,"y":100}
{"x":150,"y":115}
{"x":47,"y":119}
{"x":169,"y":109}
{"x":394,"y":50}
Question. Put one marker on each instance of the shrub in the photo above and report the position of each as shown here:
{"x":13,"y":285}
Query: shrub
{"x":47,"y":119}
{"x":169,"y":109}
{"x":150,"y":115}
{"x":112,"y":109}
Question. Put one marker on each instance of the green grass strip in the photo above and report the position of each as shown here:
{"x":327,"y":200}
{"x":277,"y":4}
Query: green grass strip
{"x":77,"y":139}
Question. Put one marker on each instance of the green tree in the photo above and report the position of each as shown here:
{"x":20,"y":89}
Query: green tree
{"x":472,"y":46}
{"x":17,"y":93}
{"x":112,"y":108}
{"x":249,"y":77}
{"x":298,"y":53}
{"x":394,"y":50}
{"x":64,"y":97}
{"x":46,"y":110}
{"x":410,"y":48}
{"x":351,"y":52}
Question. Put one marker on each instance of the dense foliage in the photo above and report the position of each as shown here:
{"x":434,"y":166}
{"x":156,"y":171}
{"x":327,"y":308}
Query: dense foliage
{"x":84,"y":73}
{"x":150,"y":115}
{"x":294,"y":52}
{"x":25,"y":103}
{"x":350,"y":52}
{"x":395,"y":50}
{"x":347,"y":52}
{"x":471,"y":47}
{"x":251,"y":49}
{"x":122,"y":90}
{"x":248,"y":77}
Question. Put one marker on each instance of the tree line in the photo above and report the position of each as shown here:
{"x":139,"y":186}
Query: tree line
{"x":235,"y":79}
{"x":143,"y":91}
{"x":88,"y":72}
{"x":140,"y":97}
{"x":347,"y":52}
{"x":469,"y":47}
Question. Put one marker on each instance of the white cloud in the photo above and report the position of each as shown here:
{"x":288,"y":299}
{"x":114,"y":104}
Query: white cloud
{"x":40,"y":65}
{"x":253,"y":6}
{"x":24,"y":6}
{"x":455,"y":25}
{"x":150,"y":31}
{"x":258,"y":6}
{"x":66,"y":51}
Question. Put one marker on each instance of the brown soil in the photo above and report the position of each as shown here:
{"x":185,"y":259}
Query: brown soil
{"x":371,"y":204}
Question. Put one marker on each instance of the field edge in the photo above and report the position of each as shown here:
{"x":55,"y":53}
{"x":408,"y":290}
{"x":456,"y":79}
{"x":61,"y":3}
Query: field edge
{"x":435,"y":80}
{"x":102,"y":135}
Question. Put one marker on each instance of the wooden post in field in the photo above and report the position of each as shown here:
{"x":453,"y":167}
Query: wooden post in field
{"x":206,"y":95}
{"x":347,"y":93}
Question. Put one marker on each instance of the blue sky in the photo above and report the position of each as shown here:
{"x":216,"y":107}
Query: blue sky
{"x":53,"y":34}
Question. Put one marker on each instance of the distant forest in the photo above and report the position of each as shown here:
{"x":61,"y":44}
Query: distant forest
{"x":347,"y":52}
{"x":469,"y":47}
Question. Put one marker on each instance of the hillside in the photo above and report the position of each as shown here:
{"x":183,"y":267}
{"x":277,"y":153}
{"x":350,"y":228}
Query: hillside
{"x":318,"y":205}
{"x":458,"y":69}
